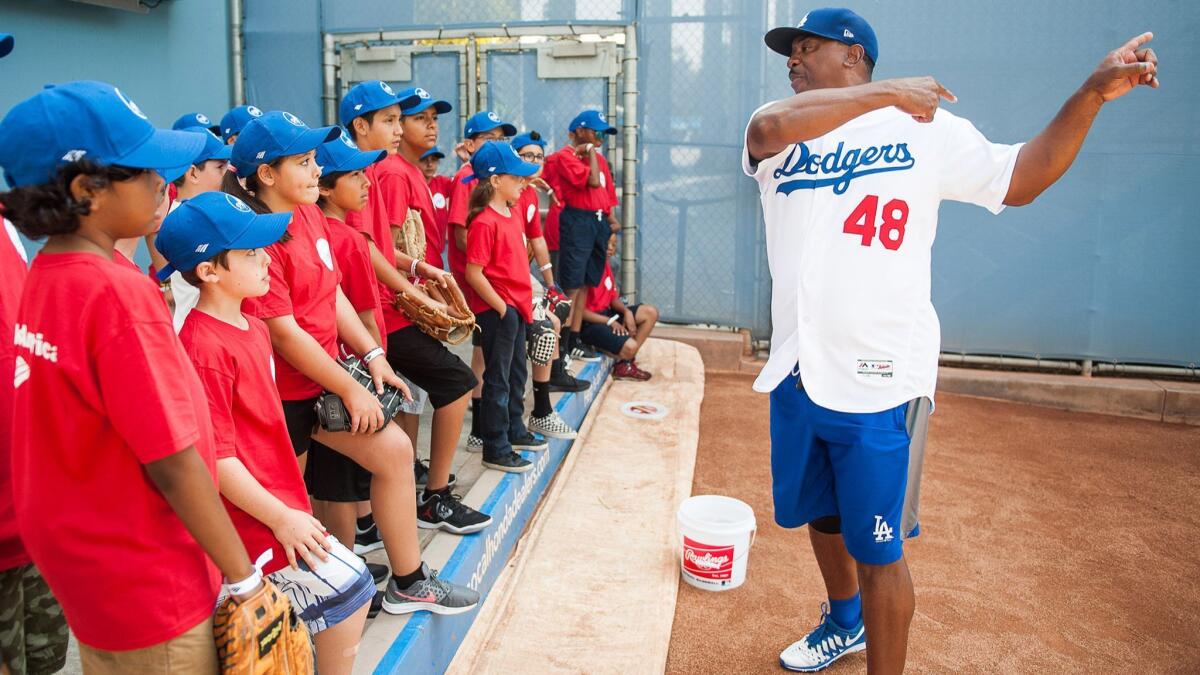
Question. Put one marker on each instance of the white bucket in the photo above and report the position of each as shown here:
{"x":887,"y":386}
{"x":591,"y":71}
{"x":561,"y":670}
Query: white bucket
{"x":715,"y":535}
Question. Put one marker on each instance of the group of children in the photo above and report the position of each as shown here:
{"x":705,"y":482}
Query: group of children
{"x":162,"y":454}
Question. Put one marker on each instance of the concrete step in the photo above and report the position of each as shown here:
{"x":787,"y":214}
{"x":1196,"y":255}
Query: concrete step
{"x":721,"y":350}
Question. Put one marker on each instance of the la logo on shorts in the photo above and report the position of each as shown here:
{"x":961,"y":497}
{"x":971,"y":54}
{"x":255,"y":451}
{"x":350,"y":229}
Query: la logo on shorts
{"x":883,"y":532}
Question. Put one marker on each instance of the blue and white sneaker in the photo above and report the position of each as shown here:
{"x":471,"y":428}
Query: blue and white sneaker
{"x":827,"y":643}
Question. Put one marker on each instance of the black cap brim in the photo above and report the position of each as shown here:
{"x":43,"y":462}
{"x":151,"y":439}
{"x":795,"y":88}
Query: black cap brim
{"x":779,"y":40}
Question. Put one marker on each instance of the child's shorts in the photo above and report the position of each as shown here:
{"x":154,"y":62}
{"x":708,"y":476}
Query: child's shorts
{"x":601,"y":336}
{"x":331,"y":593}
{"x":419,"y":397}
{"x":33,"y":630}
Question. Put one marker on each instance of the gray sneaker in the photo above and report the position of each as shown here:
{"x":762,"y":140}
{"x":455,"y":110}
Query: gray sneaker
{"x":431,"y":594}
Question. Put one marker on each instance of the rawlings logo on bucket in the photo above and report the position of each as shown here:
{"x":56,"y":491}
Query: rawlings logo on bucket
{"x":713,"y":563}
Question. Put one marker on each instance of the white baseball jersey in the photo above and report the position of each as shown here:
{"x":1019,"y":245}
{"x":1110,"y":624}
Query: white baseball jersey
{"x":850,"y":222}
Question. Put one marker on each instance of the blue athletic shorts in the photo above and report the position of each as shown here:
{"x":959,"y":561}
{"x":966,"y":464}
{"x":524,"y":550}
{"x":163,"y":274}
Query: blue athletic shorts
{"x":582,"y":247}
{"x":854,"y":466}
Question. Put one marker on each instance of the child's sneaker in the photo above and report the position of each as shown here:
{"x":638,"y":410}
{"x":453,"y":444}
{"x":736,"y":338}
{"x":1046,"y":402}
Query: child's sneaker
{"x":376,"y":605}
{"x":529,"y":442}
{"x":583,"y":352}
{"x":431,"y":594}
{"x":367,"y":540}
{"x":447,"y":512}
{"x":551,"y":425}
{"x":474,"y":443}
{"x":827,"y":643}
{"x":511,"y":463}
{"x":421,"y":475}
{"x":628,"y":370}
{"x":378,"y":572}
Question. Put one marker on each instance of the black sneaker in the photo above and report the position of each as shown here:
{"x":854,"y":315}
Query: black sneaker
{"x":376,"y":604}
{"x":378,"y":572}
{"x":445,"y":511}
{"x":367,"y":540}
{"x":512,"y":463}
{"x":421,"y":474}
{"x":565,"y":382}
{"x":582,"y":352}
{"x":529,"y":442}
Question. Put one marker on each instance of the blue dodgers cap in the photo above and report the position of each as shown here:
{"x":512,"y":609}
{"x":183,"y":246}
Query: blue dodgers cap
{"x":521,"y":140}
{"x":6,"y":44}
{"x":86,"y":120}
{"x":211,"y":223}
{"x":342,"y":154}
{"x":274,"y":135}
{"x":424,"y":100}
{"x":834,"y":23}
{"x":433,"y":152}
{"x":365,"y":97}
{"x":213,"y":147}
{"x":594,"y":120}
{"x":192,"y":121}
{"x":497,"y":158}
{"x":235,"y":120}
{"x":486,"y":120}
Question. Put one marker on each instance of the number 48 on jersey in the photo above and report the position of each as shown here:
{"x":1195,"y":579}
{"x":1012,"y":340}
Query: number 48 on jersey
{"x":892,"y":219}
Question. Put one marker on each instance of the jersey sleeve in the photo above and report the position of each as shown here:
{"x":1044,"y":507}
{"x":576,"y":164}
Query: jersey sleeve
{"x":972,"y":168}
{"x":278,"y":299}
{"x":532,"y":216}
{"x":460,"y":197}
{"x":143,"y":378}
{"x":572,"y":170}
{"x":218,"y":390}
{"x":393,"y":189}
{"x":758,"y":170}
{"x":481,"y":240}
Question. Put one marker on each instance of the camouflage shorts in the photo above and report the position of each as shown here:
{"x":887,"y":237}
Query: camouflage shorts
{"x":33,"y":630}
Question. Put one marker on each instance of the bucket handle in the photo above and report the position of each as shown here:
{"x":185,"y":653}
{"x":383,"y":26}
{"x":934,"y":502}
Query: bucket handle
{"x":753,"y":536}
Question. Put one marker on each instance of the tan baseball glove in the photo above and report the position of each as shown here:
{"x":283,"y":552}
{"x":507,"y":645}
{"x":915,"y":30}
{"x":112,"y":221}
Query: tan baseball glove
{"x":452,"y":321}
{"x":261,"y":635}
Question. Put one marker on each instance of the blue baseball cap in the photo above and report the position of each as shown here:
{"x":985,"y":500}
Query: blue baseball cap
{"x":6,"y":44}
{"x":521,"y":140}
{"x":342,"y":154}
{"x":213,"y":147}
{"x":235,"y":120}
{"x":195,"y":121}
{"x":496,"y":158}
{"x":424,"y":100}
{"x":432,"y":152}
{"x":365,"y":97}
{"x":594,"y":120}
{"x":833,"y":23}
{"x":211,"y":223}
{"x":274,"y":135}
{"x":86,"y":120}
{"x":486,"y":120}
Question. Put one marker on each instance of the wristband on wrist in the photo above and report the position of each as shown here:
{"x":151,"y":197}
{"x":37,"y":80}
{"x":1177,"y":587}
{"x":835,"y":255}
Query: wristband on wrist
{"x":251,"y":582}
{"x":412,"y":271}
{"x":545,"y":267}
{"x":372,"y":355}
{"x":612,"y":320}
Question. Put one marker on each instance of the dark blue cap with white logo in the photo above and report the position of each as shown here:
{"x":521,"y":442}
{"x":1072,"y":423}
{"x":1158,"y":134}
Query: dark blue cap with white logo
{"x":368,"y":96}
{"x":274,"y":135}
{"x":424,"y":100}
{"x":594,"y":120}
{"x":211,"y":223}
{"x":497,"y":158}
{"x":486,"y":120}
{"x":195,"y":120}
{"x":235,"y":120}
{"x":833,"y":23}
{"x":342,"y":154}
{"x":86,"y":120}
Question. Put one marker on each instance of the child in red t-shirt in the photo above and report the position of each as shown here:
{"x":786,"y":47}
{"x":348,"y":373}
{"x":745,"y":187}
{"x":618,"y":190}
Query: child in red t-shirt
{"x":118,"y":504}
{"x":307,"y":313}
{"x":498,"y":272}
{"x":610,"y":326}
{"x":441,"y":187}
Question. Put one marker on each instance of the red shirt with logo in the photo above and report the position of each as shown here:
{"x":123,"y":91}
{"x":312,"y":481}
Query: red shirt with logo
{"x":106,"y":388}
{"x":12,"y":279}
{"x":373,"y":221}
{"x":571,"y":174}
{"x":460,"y":200}
{"x":234,"y":365}
{"x":496,"y":242}
{"x":600,"y":296}
{"x":528,"y":209}
{"x":550,"y":226}
{"x":402,"y":187}
{"x":358,"y":277}
{"x":441,"y":188}
{"x":304,"y":281}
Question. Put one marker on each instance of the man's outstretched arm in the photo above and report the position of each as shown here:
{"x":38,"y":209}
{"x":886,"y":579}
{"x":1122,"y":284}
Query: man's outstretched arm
{"x":1047,"y":157}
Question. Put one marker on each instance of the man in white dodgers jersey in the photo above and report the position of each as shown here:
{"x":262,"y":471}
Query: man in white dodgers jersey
{"x":850,"y":174}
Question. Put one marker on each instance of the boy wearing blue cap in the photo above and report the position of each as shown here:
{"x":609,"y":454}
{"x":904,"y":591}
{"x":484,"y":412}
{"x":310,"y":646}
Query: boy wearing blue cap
{"x":193,"y":121}
{"x":217,"y":243}
{"x":140,"y":425}
{"x":441,"y":187}
{"x":586,"y":220}
{"x":235,"y":120}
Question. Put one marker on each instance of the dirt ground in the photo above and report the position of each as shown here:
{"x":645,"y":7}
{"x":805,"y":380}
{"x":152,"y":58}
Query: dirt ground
{"x":1051,"y":542}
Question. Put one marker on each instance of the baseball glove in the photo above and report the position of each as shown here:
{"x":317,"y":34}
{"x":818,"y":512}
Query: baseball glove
{"x":331,"y":411}
{"x":558,"y":303}
{"x":261,"y":635}
{"x":452,"y":322}
{"x":410,"y":237}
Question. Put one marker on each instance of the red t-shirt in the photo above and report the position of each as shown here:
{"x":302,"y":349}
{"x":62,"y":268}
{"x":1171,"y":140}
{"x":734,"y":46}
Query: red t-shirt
{"x":460,"y":200}
{"x":528,"y":209}
{"x":235,"y":367}
{"x":571,"y":175}
{"x":126,"y":262}
{"x":358,"y":277}
{"x":304,"y":280}
{"x":550,"y":226}
{"x":441,"y":189}
{"x":497,"y":243}
{"x":373,"y":222}
{"x":12,"y":279}
{"x":108,"y":388}
{"x":600,"y":296}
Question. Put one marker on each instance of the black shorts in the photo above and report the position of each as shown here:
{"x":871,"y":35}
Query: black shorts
{"x":333,"y":477}
{"x":429,"y":365}
{"x":301,"y":419}
{"x":601,"y":336}
{"x":582,"y":247}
